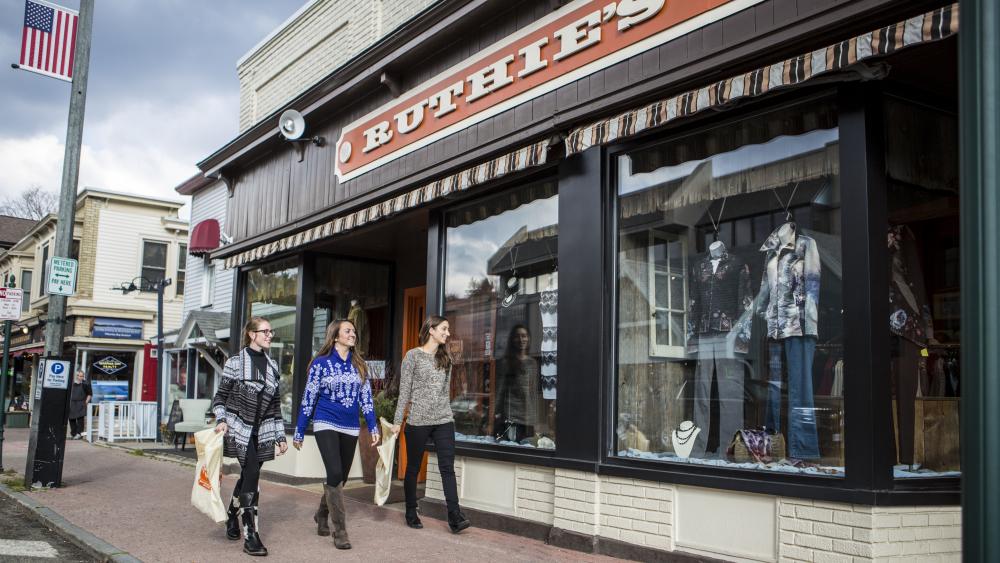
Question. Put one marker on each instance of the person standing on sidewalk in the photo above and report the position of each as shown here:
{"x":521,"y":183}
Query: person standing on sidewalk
{"x":424,"y":389}
{"x":248,"y":410}
{"x":79,"y":398}
{"x":337,"y":392}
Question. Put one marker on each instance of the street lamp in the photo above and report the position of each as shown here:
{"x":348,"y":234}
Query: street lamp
{"x":158,"y":286}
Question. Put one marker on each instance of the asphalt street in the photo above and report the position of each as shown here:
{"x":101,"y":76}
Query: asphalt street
{"x":22,"y":538}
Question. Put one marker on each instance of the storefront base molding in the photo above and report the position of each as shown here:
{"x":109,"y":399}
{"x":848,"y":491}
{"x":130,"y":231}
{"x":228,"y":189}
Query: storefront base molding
{"x":645,"y":520}
{"x":558,"y":537}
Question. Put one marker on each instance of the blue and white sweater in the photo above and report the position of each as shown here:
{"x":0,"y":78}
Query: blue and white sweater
{"x":333,"y":396}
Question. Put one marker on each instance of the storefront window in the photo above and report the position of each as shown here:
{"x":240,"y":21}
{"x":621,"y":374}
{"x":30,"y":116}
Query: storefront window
{"x":271,"y":293}
{"x":357,"y":291}
{"x":924,"y":310}
{"x":110,"y":374}
{"x":178,"y":375}
{"x":729,"y":299}
{"x":501,"y":292}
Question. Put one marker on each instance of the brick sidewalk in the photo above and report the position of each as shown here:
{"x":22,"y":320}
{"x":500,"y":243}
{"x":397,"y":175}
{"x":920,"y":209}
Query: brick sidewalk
{"x":142,"y":506}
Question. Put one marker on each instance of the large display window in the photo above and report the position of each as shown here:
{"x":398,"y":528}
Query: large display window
{"x":271,"y":292}
{"x":501,"y":289}
{"x":729,"y":302}
{"x":924,"y":311}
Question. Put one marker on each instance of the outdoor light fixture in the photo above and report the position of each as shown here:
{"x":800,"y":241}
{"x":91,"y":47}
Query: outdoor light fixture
{"x":292,"y":126}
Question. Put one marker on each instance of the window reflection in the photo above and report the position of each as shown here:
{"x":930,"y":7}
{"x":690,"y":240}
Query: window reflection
{"x":501,"y":296}
{"x":729,"y":296}
{"x":271,"y":292}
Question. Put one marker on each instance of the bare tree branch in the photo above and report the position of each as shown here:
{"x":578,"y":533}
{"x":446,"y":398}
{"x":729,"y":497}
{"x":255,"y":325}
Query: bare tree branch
{"x":32,"y":203}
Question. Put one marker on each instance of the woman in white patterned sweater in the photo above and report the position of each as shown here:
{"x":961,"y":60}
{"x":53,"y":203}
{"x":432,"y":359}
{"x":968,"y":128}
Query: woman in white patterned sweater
{"x":424,"y":390}
{"x":247,"y":409}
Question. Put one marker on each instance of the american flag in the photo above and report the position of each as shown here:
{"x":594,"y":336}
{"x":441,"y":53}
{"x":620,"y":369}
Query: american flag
{"x":48,"y":39}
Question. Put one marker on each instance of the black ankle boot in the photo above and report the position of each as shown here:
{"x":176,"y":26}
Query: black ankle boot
{"x":457,"y":521}
{"x":233,"y":522}
{"x":251,"y":540}
{"x":412,"y":520}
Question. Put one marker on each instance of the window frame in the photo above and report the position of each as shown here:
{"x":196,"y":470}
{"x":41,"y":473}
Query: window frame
{"x":142,"y":261}
{"x":208,"y":284}
{"x":26,"y":292}
{"x":868,"y":467}
{"x":670,"y":350}
{"x":42,"y":290}
{"x":179,"y":275}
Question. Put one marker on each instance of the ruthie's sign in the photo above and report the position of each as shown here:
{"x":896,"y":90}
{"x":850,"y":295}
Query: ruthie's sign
{"x":579,"y":39}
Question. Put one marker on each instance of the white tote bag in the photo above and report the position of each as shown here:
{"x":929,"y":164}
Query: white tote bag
{"x":205,"y":493}
{"x":383,"y":469}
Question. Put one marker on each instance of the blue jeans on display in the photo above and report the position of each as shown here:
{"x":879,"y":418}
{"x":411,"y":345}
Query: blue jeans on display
{"x":798,"y":350}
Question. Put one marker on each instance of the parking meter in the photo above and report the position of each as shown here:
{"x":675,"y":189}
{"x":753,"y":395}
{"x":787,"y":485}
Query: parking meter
{"x":47,"y":445}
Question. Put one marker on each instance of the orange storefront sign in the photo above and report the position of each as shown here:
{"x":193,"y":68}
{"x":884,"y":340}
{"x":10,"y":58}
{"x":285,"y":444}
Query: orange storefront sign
{"x":575,"y":41}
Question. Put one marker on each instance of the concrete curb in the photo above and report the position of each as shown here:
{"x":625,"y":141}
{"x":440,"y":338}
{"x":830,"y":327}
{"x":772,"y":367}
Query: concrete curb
{"x":83,"y":539}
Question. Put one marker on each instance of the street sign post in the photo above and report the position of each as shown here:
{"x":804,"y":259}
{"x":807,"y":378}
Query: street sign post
{"x":10,"y":303}
{"x":62,"y":276}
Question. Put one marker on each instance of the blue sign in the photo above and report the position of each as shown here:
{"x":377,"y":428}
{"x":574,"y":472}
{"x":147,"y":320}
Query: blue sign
{"x":109,"y":390}
{"x":117,"y":328}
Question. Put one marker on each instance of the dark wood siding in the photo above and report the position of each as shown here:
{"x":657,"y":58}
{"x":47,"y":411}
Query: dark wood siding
{"x":277,"y":193}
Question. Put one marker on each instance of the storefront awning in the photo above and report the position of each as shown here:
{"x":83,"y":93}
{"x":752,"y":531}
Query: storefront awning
{"x":521,"y":159}
{"x":19,"y":353}
{"x":932,"y":26}
{"x":204,"y":237}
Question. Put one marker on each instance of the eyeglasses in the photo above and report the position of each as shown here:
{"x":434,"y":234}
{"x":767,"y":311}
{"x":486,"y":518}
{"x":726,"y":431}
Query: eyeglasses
{"x":266,"y":331}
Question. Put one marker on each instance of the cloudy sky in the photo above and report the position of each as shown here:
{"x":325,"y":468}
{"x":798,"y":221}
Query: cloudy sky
{"x":162,"y":94}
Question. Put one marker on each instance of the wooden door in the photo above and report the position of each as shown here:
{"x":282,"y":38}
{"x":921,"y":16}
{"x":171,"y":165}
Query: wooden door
{"x":414,"y":311}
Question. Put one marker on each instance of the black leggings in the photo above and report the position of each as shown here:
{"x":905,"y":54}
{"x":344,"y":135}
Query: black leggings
{"x":76,"y":426}
{"x":443,"y":436}
{"x":337,"y":450}
{"x":249,"y":471}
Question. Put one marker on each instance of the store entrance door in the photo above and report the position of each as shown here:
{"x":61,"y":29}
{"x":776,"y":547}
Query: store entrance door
{"x":414,"y":311}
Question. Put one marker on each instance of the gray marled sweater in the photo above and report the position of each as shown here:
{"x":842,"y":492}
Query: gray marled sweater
{"x":424,"y":387}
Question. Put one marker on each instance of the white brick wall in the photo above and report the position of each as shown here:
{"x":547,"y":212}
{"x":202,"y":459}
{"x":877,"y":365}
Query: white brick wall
{"x":637,"y":512}
{"x":644,"y":513}
{"x":323,"y":37}
{"x":535,"y":498}
{"x":822,"y":531}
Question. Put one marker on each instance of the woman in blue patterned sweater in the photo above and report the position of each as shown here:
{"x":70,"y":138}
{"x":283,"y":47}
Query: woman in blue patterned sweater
{"x":337,"y":392}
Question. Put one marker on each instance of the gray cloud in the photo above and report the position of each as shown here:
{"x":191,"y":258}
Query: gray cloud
{"x":163,"y":93}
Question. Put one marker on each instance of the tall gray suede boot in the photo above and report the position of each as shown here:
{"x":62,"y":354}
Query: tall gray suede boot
{"x":338,"y":515}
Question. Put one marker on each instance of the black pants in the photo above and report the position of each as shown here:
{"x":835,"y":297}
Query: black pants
{"x":76,"y":426}
{"x":249,"y":471}
{"x":337,"y":450}
{"x":443,"y":436}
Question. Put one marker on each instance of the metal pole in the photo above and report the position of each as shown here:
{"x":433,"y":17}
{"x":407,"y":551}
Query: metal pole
{"x":3,"y":386}
{"x":55,"y":327}
{"x":979,"y":116}
{"x":160,"y":363}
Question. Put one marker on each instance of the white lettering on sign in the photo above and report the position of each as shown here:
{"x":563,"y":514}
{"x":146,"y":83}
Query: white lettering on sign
{"x":634,"y":12}
{"x":581,"y":34}
{"x":444,"y":101}
{"x":377,"y":136}
{"x":576,"y":40}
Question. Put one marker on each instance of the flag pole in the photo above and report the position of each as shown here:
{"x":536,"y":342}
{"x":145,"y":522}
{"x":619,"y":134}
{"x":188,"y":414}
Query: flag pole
{"x":55,"y":326}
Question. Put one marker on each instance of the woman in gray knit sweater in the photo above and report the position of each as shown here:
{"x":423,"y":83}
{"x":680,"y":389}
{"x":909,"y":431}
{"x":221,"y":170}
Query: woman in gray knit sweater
{"x":423,"y":389}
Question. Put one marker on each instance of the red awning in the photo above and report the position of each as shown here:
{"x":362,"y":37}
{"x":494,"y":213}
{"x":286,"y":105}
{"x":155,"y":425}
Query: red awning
{"x":19,"y":353}
{"x":205,"y":237}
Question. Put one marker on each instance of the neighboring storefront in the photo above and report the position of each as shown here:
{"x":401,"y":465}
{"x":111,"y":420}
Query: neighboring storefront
{"x":701,"y":263}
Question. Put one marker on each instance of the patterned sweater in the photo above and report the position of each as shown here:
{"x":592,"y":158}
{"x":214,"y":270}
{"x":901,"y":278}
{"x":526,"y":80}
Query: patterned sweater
{"x":243,"y":399}
{"x":334,"y":396}
{"x":424,"y":388}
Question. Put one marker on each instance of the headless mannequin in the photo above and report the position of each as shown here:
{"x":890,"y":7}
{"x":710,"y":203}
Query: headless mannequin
{"x":715,"y":251}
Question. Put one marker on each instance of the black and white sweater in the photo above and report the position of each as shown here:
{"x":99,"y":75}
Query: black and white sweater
{"x":241,"y":392}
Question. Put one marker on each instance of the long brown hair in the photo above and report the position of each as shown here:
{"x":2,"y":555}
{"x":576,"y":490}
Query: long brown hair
{"x":332,"y":330}
{"x":252,"y":324}
{"x":442,"y":358}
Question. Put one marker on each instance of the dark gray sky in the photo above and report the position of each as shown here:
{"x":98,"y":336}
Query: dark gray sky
{"x":162,"y":95}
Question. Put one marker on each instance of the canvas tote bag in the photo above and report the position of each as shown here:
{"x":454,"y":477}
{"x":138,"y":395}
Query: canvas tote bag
{"x":383,"y":468}
{"x":205,"y":493}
